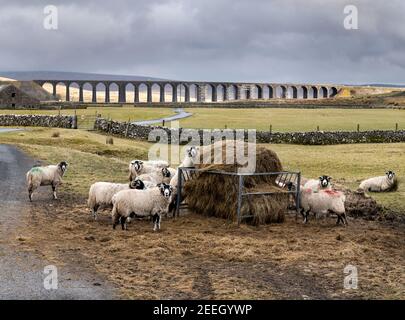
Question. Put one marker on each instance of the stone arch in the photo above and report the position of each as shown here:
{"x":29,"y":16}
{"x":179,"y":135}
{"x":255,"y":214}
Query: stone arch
{"x":168,"y":92}
{"x":73,"y":92}
{"x":281,"y":92}
{"x":193,"y":91}
{"x":232,"y":91}
{"x":304,"y":92}
{"x":294,"y":92}
{"x":314,"y":92}
{"x":49,"y":87}
{"x":323,"y":92}
{"x":181,"y":92}
{"x":221,"y":92}
{"x":87,"y":92}
{"x":143,"y":92}
{"x":333,"y":91}
{"x":61,"y":89}
{"x":155,"y":88}
{"x":129,"y":92}
{"x":100,"y":92}
{"x":112,"y":92}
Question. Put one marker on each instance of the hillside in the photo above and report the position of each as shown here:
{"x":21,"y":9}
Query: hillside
{"x":61,"y":75}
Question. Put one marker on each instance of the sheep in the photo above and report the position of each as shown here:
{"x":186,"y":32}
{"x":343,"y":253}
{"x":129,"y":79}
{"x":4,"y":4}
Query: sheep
{"x":323,"y":182}
{"x":46,"y":176}
{"x":380,"y":184}
{"x":138,"y":167}
{"x":323,"y":201}
{"x":147,"y":184}
{"x":128,"y":204}
{"x":101,"y":193}
{"x":188,"y":162}
{"x":163,"y":175}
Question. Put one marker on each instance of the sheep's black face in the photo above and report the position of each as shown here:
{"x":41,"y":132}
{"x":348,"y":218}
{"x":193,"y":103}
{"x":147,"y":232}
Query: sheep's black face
{"x":192,"y":152}
{"x":166,"y":173}
{"x":137,"y":164}
{"x":137,"y":184}
{"x":390,"y":174}
{"x":166,"y":190}
{"x":63,"y":166}
{"x":324,"y":181}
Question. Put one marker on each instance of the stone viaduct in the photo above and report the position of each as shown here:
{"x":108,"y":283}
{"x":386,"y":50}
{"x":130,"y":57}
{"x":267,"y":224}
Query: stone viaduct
{"x":199,"y":91}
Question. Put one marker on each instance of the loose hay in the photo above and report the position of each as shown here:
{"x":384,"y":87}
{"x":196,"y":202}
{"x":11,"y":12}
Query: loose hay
{"x":216,"y":194}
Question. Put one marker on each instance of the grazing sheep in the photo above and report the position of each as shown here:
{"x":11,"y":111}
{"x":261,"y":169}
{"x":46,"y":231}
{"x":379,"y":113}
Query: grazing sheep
{"x":380,"y":184}
{"x":101,"y":193}
{"x":46,"y":176}
{"x":323,"y":201}
{"x":153,"y":202}
{"x":322,"y":183}
{"x":138,"y":167}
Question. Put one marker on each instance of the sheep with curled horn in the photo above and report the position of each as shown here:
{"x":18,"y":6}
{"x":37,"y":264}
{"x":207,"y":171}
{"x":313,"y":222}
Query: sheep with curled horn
{"x":46,"y":176}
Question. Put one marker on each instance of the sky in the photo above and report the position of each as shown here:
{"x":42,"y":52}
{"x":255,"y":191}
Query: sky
{"x":293,"y":41}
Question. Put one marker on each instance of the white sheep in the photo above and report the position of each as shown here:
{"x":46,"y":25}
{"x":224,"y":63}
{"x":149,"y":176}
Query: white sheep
{"x":101,"y":193}
{"x":138,"y":167}
{"x":380,"y":184}
{"x":46,"y":176}
{"x":153,"y":202}
{"x":323,"y":201}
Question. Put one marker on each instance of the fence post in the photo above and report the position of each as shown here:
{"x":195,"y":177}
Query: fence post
{"x":179,"y":186}
{"x":271,"y":128}
{"x":240,"y":186}
{"x":358,"y":127}
{"x":396,"y":127}
{"x":317,"y":128}
{"x":297,"y":196}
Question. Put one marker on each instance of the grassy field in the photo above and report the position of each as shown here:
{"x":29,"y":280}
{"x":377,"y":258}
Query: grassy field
{"x":93,"y":160}
{"x":116,"y":113}
{"x":198,"y":257}
{"x":283,"y":120}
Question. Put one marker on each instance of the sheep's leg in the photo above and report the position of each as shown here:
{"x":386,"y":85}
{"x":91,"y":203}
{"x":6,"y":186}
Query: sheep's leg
{"x":30,"y":192}
{"x":306,"y":215}
{"x":123,"y":223}
{"x":344,"y":219}
{"x":115,"y":218}
{"x":54,"y":192}
{"x":156,"y":222}
{"x":94,"y":212}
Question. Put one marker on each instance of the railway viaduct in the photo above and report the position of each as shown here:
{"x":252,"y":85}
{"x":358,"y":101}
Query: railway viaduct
{"x":191,"y":91}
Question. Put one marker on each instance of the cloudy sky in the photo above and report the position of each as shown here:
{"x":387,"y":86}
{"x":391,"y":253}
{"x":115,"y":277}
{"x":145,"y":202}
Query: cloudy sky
{"x":221,"y":40}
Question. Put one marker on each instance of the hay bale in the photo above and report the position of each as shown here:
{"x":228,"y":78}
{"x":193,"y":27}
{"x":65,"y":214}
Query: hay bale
{"x":216,"y":195}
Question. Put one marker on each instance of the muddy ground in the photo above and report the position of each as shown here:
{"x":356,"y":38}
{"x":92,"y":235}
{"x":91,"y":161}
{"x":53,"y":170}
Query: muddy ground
{"x":196,"y":257}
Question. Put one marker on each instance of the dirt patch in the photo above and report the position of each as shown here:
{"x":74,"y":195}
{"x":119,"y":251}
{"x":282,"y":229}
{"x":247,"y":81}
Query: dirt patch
{"x":197,"y":257}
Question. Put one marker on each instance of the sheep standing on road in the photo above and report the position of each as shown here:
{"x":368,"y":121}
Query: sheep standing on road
{"x":138,"y":167}
{"x":46,"y":176}
{"x":323,"y":201}
{"x":380,"y":184}
{"x":101,"y":193}
{"x":153,"y":202}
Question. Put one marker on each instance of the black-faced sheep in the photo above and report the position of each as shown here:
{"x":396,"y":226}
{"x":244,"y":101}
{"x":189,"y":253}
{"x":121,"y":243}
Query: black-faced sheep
{"x":46,"y":176}
{"x":101,"y":193}
{"x":152,"y":202}
{"x":323,"y":182}
{"x":380,"y":184}
{"x":323,"y":201}
{"x":138,"y":167}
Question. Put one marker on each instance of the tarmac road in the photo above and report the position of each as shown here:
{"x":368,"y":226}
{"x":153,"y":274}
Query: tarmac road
{"x":22,"y":273}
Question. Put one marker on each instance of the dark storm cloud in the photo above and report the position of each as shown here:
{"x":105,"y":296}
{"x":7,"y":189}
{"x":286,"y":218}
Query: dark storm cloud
{"x":279,"y":40}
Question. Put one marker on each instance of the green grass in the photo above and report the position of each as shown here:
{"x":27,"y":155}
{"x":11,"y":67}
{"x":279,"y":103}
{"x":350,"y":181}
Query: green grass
{"x":287,"y":120}
{"x":93,"y":160}
{"x":116,"y":113}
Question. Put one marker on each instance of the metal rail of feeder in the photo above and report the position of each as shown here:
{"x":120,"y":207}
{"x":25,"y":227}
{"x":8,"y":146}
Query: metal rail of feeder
{"x":287,"y":175}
